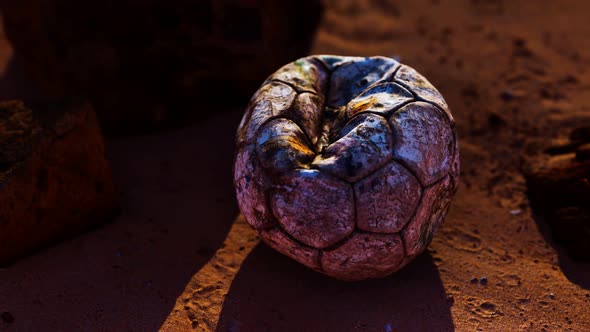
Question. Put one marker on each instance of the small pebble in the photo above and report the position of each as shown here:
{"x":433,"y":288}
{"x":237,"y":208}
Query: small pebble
{"x":474,"y":280}
{"x":483,"y":281}
{"x":551,"y":296}
{"x":7,"y":317}
{"x":515,"y":212}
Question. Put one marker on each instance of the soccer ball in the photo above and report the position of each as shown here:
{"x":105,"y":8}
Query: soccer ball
{"x":346,"y":164}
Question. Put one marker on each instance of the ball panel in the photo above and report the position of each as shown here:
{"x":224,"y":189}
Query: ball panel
{"x":431,"y":212}
{"x":331,"y":62}
{"x":365,"y":144}
{"x":423,"y":141}
{"x":422,"y":88}
{"x":282,"y":146}
{"x":364,"y":256}
{"x":304,"y":74}
{"x":251,"y":183}
{"x":386,"y":199}
{"x":314,"y":208}
{"x":383,"y":98}
{"x":349,"y":79}
{"x":307,"y":111}
{"x":270,"y":100}
{"x":279,"y":241}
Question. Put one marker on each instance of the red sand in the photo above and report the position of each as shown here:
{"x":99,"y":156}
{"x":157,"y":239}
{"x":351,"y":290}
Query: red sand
{"x":162,"y":262}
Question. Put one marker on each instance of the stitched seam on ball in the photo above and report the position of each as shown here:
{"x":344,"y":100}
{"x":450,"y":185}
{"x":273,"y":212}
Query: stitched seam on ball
{"x":418,"y":98}
{"x":297,"y":90}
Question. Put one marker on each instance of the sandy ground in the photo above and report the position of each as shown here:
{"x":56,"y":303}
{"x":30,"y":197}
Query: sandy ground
{"x":179,"y":257}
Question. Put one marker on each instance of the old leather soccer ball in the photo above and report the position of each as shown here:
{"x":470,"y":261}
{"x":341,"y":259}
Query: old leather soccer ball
{"x":347,"y":164}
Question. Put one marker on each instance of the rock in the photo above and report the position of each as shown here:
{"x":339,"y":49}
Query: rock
{"x":55,"y":180}
{"x":559,"y":189}
{"x":155,"y":63}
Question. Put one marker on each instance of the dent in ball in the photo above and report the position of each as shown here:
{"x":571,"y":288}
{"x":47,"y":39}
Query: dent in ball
{"x":347,"y":164}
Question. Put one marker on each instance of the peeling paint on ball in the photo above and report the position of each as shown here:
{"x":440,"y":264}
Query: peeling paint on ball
{"x":347,"y":164}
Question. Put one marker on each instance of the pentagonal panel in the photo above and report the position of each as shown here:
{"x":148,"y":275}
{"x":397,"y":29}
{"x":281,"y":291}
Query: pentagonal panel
{"x":365,"y":144}
{"x":423,"y":141}
{"x":282,"y":146}
{"x":429,"y":215}
{"x":270,"y":100}
{"x":251,"y":184}
{"x":386,"y":199}
{"x":314,"y":208}
{"x":278,"y":240}
{"x":382,"y":98}
{"x":307,"y":111}
{"x":364,"y":256}
{"x":304,"y":74}
{"x":351,"y":78}
{"x":422,"y":87}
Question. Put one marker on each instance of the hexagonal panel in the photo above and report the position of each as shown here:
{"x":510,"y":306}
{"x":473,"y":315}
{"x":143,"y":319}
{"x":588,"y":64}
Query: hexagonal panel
{"x":422,"y":87}
{"x":383,"y":98}
{"x":351,"y":78}
{"x":365,"y":144}
{"x":271,"y":99}
{"x":282,"y":243}
{"x":304,"y":74}
{"x":251,"y":185}
{"x":307,"y":111}
{"x":423,"y":141}
{"x":364,"y":256}
{"x":386,"y":199}
{"x":282,"y":146}
{"x":436,"y":200}
{"x":314,"y":208}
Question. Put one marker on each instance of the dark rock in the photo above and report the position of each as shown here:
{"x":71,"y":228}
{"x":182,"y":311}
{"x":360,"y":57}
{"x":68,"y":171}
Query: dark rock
{"x":151,"y":64}
{"x":55,"y":180}
{"x":559,"y":190}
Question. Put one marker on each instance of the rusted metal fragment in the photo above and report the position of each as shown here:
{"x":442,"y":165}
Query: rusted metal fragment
{"x":251,"y":184}
{"x":423,"y":141}
{"x":386,"y":199}
{"x":350,"y":79}
{"x":383,"y":98}
{"x":365,"y":144}
{"x":430,"y":213}
{"x":282,"y":146}
{"x":314,"y":208}
{"x":282,"y":243}
{"x":422,"y":88}
{"x":364,"y":256}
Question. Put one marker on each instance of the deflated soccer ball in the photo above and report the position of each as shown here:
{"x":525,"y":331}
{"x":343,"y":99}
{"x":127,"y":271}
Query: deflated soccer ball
{"x":347,"y":164}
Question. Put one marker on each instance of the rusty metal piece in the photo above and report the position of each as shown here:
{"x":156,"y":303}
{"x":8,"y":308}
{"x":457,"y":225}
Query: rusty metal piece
{"x":347,"y":164}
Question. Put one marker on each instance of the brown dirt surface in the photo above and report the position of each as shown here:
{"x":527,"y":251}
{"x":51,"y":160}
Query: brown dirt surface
{"x":515,"y":75}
